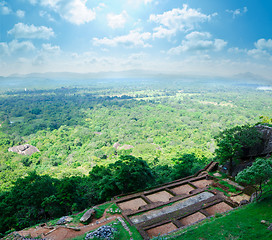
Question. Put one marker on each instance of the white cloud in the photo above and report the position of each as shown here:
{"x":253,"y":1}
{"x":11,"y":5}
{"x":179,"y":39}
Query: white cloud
{"x":179,"y":20}
{"x":137,"y":56}
{"x":138,"y":2}
{"x":198,"y":35}
{"x":263,"y":49}
{"x":46,"y":15}
{"x":20,"y":13}
{"x":21,"y":47}
{"x":49,"y":49}
{"x":258,"y":53}
{"x":117,"y":21}
{"x":4,"y":9}
{"x":4,"y":49}
{"x":33,"y":2}
{"x":21,"y":30}
{"x":100,"y":6}
{"x":47,"y":53}
{"x":237,"y":12}
{"x":134,"y":38}
{"x":148,"y":1}
{"x":237,"y":50}
{"x":161,"y":32}
{"x":264,"y":44}
{"x":74,"y":11}
{"x":15,"y":47}
{"x":198,"y":42}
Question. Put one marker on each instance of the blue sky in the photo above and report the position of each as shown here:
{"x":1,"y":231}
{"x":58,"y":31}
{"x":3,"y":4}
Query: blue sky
{"x":211,"y":37}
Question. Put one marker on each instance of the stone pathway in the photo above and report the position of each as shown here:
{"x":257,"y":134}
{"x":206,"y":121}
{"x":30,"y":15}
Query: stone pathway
{"x":125,"y":226}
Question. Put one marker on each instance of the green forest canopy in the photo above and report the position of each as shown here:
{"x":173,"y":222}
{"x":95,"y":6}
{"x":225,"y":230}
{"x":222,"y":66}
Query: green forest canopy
{"x":169,"y":130}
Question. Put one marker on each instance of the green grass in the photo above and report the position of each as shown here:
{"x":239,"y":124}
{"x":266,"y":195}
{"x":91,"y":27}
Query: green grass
{"x":76,"y":218}
{"x":101,"y":209}
{"x":113,"y":209}
{"x":219,"y":189}
{"x":53,"y":222}
{"x":243,"y":223}
{"x":135,"y":234}
{"x":81,"y":237}
{"x":231,"y":187}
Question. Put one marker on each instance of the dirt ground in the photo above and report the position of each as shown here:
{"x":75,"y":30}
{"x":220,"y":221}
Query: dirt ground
{"x":62,"y":233}
{"x":162,"y":196}
{"x":183,"y":189}
{"x":202,"y":183}
{"x":34,"y":232}
{"x":218,"y":208}
{"x":240,"y":197}
{"x":163,"y":229}
{"x":192,"y":218}
{"x":133,"y":204}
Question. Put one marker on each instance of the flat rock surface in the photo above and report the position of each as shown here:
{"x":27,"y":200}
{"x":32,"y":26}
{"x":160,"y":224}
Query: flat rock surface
{"x":87,"y":215}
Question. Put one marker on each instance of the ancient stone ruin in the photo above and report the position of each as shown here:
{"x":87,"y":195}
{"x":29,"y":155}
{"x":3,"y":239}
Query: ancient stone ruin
{"x":177,"y":204}
{"x":25,"y":149}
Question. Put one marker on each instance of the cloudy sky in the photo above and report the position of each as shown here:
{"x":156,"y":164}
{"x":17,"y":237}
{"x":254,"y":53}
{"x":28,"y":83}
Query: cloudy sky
{"x":200,"y":37}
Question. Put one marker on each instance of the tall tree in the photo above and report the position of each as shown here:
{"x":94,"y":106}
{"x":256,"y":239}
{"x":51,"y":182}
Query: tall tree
{"x":256,"y":175}
{"x":184,"y":166}
{"x":231,"y":143}
{"x":131,"y":173}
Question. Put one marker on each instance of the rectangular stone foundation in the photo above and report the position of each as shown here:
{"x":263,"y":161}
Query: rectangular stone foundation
{"x":183,"y":189}
{"x":133,"y":204}
{"x":161,"y":196}
{"x":160,"y":230}
{"x":218,"y":208}
{"x":192,"y":218}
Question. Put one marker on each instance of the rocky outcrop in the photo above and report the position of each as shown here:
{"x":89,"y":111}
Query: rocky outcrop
{"x":64,"y":220}
{"x":104,"y":232}
{"x":87,"y":215}
{"x":98,"y":133}
{"x":116,"y":145}
{"x":25,"y":149}
{"x":125,"y":147}
{"x":264,"y":147}
{"x":266,"y":138}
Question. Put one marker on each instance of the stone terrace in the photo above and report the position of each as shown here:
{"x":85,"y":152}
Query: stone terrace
{"x":174,"y":205}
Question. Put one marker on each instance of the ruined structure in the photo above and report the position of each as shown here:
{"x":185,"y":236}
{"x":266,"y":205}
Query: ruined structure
{"x":25,"y":149}
{"x":177,"y":204}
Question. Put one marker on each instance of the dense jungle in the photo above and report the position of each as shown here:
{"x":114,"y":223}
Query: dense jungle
{"x":102,"y":138}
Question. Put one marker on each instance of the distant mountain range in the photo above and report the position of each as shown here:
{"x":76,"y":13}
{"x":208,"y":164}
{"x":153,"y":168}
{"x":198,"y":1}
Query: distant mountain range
{"x":251,"y":77}
{"x":246,"y":77}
